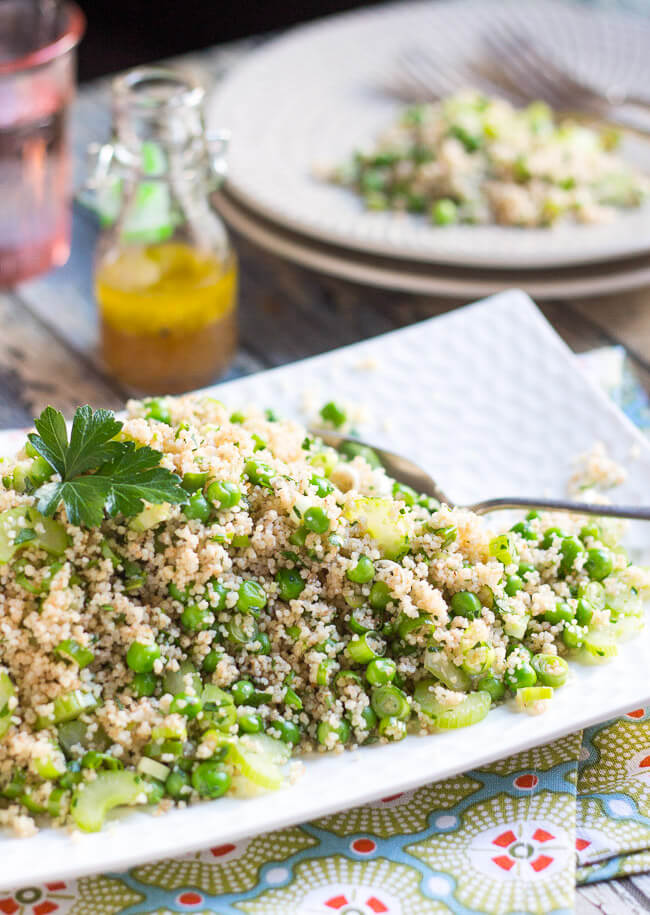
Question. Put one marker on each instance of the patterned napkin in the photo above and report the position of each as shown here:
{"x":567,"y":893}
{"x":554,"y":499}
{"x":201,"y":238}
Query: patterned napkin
{"x":513,"y":837}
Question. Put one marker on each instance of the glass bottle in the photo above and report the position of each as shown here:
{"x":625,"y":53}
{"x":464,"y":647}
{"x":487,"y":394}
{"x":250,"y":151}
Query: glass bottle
{"x":165,"y":272}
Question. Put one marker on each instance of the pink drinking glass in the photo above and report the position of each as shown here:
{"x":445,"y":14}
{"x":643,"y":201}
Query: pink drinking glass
{"x":38,"y":40}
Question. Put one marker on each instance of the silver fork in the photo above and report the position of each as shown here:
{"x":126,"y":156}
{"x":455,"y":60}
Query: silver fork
{"x":517,"y":62}
{"x":513,"y":69}
{"x":404,"y":470}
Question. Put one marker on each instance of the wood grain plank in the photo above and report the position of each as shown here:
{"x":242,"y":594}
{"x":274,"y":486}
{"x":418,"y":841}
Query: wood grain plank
{"x":36,"y":370}
{"x":624,"y":318}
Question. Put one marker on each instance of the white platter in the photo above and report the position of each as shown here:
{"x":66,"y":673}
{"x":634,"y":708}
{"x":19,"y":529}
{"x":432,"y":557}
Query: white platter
{"x":492,"y":402}
{"x":313,"y":96}
{"x":432,"y":279}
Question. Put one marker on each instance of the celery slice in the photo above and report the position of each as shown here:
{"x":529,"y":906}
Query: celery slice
{"x":7,"y":692}
{"x":469,"y":711}
{"x":383,"y":521}
{"x":50,"y":766}
{"x":93,"y":800}
{"x":71,"y":705}
{"x":438,"y":664}
{"x":528,"y":697}
{"x":50,"y":535}
{"x":153,"y":768}
{"x":150,"y":516}
{"x":259,"y":758}
{"x":174,"y":680}
{"x":598,"y":647}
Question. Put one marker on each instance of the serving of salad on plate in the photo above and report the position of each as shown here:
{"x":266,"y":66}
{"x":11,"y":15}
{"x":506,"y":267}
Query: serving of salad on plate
{"x":192,"y":596}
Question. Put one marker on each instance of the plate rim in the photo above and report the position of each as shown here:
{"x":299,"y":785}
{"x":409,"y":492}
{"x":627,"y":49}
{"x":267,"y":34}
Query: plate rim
{"x":601,"y":250}
{"x":330,"y":259}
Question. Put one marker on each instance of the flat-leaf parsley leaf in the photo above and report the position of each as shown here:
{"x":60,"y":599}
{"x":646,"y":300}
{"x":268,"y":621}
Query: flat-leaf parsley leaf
{"x":98,"y":474}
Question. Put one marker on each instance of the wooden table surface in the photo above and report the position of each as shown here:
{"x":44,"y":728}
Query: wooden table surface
{"x":48,"y":339}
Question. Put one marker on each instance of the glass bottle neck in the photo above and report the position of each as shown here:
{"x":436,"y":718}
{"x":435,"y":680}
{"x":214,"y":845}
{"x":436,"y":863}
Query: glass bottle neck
{"x":158,"y":122}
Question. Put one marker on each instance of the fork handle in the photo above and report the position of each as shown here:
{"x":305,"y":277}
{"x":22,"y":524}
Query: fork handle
{"x":562,"y":505}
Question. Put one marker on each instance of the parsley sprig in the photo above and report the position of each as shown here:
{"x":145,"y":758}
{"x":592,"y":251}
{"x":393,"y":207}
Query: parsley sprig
{"x":99,"y":476}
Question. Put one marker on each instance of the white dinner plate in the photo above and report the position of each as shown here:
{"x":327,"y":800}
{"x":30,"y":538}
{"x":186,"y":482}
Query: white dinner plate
{"x":491,"y":401}
{"x":311,"y":97}
{"x":432,"y":279}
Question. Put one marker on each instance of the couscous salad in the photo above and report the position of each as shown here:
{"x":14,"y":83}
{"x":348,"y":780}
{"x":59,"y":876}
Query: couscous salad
{"x":192,"y":596}
{"x":474,"y":159}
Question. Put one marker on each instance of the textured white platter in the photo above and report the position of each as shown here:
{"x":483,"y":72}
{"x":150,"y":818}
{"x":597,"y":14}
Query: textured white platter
{"x":432,"y":279}
{"x":492,"y":402}
{"x":312,"y":97}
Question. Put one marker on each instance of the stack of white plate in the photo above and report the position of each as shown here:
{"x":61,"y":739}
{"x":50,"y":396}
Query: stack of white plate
{"x":306,"y":101}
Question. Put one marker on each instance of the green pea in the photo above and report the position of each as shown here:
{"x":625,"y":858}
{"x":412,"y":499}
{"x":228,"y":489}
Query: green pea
{"x":584,"y":614}
{"x":259,"y":473}
{"x":392,"y":728}
{"x":250,"y":722}
{"x":210,"y":779}
{"x":523,"y":675}
{"x":216,"y":595}
{"x":524,"y":530}
{"x":141,"y":657}
{"x":39,"y":471}
{"x":260,"y":444}
{"x":572,"y":636}
{"x":322,"y":485}
{"x":444,"y":212}
{"x":381,"y":671}
{"x":144,"y":684}
{"x":404,"y":493}
{"x":551,"y":670}
{"x":466,"y":604}
{"x":562,"y":612}
{"x":292,"y":699}
{"x":513,"y":584}
{"x":362,"y":572}
{"x":224,"y":493}
{"x":550,"y":535}
{"x":365,"y":648}
{"x":290,"y":584}
{"x":192,"y":482}
{"x":298,"y":537}
{"x":251,"y":597}
{"x":369,"y":717}
{"x":177,"y":783}
{"x":525,"y":568}
{"x":316,"y":520}
{"x":198,"y":508}
{"x":195,"y":619}
{"x":570,"y":548}
{"x":351,"y":450}
{"x":158,"y":409}
{"x":237,"y":417}
{"x":211,"y":661}
{"x":176,"y":593}
{"x":184,"y":704}
{"x":264,"y":643}
{"x":408,"y":624}
{"x":599,"y":564}
{"x":380,"y":596}
{"x":390,"y":702}
{"x":533,"y":514}
{"x":590,"y":530}
{"x":154,"y":789}
{"x":242,"y":691}
{"x":334,"y":414}
{"x":492,"y":685}
{"x":289,"y":732}
{"x":342,"y":731}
